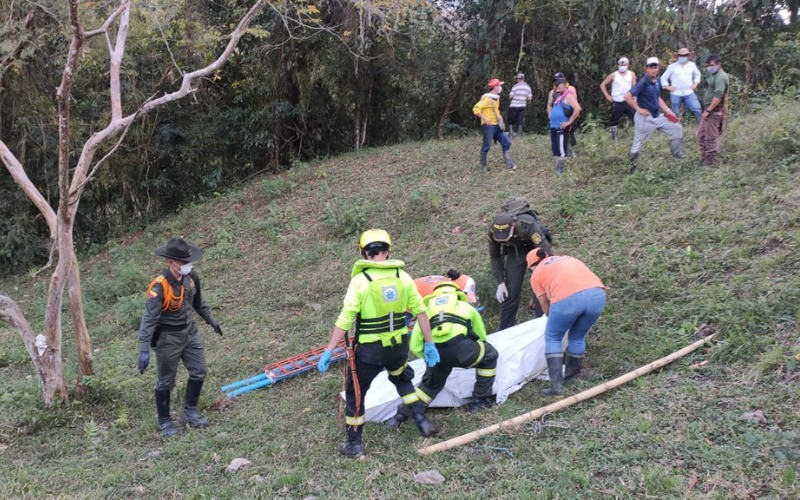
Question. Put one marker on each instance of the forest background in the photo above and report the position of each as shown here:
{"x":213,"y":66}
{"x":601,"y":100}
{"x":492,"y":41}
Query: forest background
{"x":316,"y":78}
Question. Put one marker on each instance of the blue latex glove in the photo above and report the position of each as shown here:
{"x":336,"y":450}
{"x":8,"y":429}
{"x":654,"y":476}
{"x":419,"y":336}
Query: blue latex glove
{"x":324,"y":361}
{"x":431,"y":354}
{"x":144,"y":360}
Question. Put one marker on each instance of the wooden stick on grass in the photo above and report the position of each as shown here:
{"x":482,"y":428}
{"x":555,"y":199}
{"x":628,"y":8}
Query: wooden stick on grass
{"x":563,"y":403}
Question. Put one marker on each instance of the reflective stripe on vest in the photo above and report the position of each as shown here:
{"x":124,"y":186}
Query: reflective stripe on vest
{"x":390,"y":325}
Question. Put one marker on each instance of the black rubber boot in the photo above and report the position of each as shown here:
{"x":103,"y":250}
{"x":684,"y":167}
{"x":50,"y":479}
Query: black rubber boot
{"x":478,"y":404}
{"x":352,"y":447}
{"x":401,"y":416}
{"x":632,"y":158}
{"x":554,"y":370}
{"x":614,"y":133}
{"x":194,"y":419}
{"x":425,"y":426}
{"x":509,"y":161}
{"x":572,"y":364}
{"x":165,"y":424}
{"x":483,"y":163}
{"x":675,"y":148}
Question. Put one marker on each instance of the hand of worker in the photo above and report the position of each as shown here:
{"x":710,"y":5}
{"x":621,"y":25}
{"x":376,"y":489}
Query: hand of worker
{"x":431,"y":354}
{"x":144,"y":360}
{"x":324,"y":361}
{"x":502,"y":292}
{"x":215,"y":325}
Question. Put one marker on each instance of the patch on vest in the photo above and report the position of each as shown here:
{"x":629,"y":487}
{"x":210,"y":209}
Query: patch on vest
{"x":389,"y":293}
{"x":440,"y":301}
{"x":536,"y":238}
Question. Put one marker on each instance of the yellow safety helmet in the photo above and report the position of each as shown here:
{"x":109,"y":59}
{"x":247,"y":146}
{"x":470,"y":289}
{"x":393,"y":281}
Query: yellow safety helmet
{"x":371,"y":236}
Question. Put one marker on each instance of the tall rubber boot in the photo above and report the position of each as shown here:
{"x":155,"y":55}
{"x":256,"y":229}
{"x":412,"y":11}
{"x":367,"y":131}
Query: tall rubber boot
{"x":483,"y":162}
{"x":675,"y":147}
{"x":614,"y":136}
{"x":572,"y":363}
{"x":425,"y":426}
{"x":401,"y":416}
{"x":353,"y":447}
{"x":193,"y":418}
{"x":165,"y":424}
{"x":509,"y":161}
{"x":559,"y":164}
{"x":554,"y":366}
{"x":632,"y":160}
{"x":478,"y":404}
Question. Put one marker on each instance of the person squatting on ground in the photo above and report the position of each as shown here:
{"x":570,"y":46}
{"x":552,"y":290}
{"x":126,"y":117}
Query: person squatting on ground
{"x":464,"y":282}
{"x":559,"y":78}
{"x":378,"y":296}
{"x":520,"y":96}
{"x":647,"y":104}
{"x":460,"y":336}
{"x":492,"y":126}
{"x":168,"y":326}
{"x":514,"y":232}
{"x":563,"y":113}
{"x":573,"y":298}
{"x":680,"y":79}
{"x":715,"y":110}
{"x":621,"y":81}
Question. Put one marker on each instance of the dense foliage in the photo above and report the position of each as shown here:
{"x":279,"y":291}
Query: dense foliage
{"x":318,"y":77}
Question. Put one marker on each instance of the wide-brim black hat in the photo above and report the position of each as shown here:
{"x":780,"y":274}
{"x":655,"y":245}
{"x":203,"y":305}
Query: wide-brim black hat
{"x":179,"y":249}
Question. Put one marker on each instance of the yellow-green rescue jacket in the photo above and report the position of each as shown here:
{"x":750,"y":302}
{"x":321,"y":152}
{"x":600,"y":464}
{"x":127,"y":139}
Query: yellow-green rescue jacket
{"x":378,"y":296}
{"x":450,"y":315}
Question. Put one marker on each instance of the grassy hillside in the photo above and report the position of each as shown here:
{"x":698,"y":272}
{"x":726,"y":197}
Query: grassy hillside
{"x":678,"y":246}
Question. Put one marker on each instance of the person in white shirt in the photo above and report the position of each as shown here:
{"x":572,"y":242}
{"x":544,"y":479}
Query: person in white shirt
{"x":621,"y":81}
{"x":520,"y":96}
{"x":680,"y":79}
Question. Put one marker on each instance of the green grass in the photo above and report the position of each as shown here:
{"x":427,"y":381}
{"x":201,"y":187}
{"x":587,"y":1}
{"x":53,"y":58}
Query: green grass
{"x":678,"y":247}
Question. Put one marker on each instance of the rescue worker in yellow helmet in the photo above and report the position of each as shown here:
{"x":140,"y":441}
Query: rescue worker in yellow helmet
{"x":378,"y":296}
{"x":460,"y":336}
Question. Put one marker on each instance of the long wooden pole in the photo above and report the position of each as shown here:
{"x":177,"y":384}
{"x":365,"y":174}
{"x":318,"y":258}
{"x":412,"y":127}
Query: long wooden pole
{"x":563,"y":403}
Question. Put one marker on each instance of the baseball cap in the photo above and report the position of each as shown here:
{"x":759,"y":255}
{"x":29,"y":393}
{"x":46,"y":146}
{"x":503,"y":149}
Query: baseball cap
{"x":651,"y":61}
{"x":533,"y":256}
{"x":494,"y":82}
{"x":502,"y":227}
{"x":623,"y":61}
{"x":519,"y":75}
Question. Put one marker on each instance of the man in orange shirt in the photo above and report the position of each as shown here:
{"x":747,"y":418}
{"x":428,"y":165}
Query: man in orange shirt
{"x":572,"y":297}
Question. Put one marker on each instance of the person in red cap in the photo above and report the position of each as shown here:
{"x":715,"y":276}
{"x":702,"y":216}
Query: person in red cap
{"x":492,"y":125}
{"x":573,"y":298}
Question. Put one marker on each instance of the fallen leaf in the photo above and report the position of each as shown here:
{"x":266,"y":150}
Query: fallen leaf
{"x":692,"y":482}
{"x":3,"y":447}
{"x":429,"y":477}
{"x":236,"y":464}
{"x":701,"y":363}
{"x":373,"y":475}
{"x":215,"y":458}
{"x":316,"y":307}
{"x":457,"y":230}
{"x":756,"y":416}
{"x":139,"y":490}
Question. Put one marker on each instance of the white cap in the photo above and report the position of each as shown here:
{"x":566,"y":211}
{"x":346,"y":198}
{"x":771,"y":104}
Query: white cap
{"x":623,"y":61}
{"x":652,"y":60}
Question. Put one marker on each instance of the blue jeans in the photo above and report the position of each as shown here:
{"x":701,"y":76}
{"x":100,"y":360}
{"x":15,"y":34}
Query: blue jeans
{"x":692,"y":104}
{"x":492,"y":132}
{"x":577,"y":313}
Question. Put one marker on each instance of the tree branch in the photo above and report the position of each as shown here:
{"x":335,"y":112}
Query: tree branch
{"x":19,"y":175}
{"x":10,"y":312}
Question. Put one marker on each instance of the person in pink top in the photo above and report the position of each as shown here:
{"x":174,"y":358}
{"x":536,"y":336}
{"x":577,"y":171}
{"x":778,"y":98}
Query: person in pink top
{"x":573,"y":298}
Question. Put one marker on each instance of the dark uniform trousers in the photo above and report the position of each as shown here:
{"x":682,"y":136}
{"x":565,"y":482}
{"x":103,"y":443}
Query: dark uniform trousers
{"x":516,"y":267}
{"x":175,"y":346}
{"x":461,"y":352}
{"x":371,"y":359}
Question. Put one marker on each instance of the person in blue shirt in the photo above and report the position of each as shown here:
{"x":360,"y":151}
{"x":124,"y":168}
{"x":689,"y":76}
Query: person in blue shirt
{"x":648,"y":105}
{"x":562,"y":112}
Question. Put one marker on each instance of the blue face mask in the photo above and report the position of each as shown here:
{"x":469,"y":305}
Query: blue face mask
{"x":682,"y":59}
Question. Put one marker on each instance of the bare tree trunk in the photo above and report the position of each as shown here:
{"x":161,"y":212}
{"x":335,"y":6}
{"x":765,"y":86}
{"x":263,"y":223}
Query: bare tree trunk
{"x":82,"y":339}
{"x":450,"y":106}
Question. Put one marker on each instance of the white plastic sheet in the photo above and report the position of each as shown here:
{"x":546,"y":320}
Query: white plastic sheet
{"x":521,"y":358}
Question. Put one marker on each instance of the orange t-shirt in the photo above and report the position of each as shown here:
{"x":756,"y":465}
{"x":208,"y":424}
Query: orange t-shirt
{"x":560,"y":276}
{"x":426,"y":284}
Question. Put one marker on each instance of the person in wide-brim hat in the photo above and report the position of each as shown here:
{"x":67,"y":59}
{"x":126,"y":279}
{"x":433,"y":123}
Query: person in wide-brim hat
{"x":179,"y":249}
{"x":683,"y":51}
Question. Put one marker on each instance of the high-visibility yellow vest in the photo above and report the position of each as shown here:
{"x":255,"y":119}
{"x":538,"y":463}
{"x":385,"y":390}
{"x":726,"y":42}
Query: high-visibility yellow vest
{"x":384,"y":320}
{"x":447,"y":314}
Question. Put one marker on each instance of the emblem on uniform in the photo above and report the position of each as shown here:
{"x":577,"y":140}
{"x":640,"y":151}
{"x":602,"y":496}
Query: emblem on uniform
{"x":536,"y":238}
{"x":440,"y":301}
{"x":389,"y":293}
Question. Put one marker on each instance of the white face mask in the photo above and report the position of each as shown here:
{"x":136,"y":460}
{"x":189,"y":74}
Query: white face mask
{"x":712,"y":69}
{"x":623,"y":69}
{"x":500,"y":90}
{"x":682,"y":60}
{"x":186,"y":268}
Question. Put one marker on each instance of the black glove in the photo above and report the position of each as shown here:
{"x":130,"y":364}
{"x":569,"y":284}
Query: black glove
{"x":215,"y":325}
{"x":144,"y":361}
